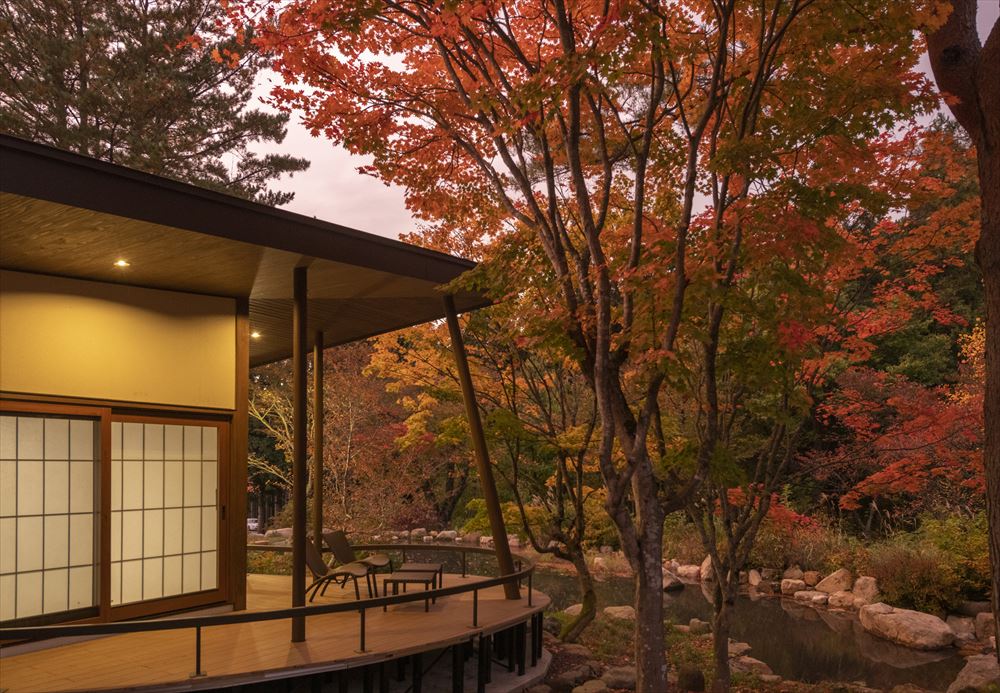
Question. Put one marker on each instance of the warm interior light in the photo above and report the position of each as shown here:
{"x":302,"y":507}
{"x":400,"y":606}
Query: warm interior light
{"x":255,"y":334}
{"x":121,"y":263}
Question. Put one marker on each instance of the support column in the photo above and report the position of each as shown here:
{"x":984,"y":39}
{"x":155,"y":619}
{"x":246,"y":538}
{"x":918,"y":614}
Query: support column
{"x":239,"y":436}
{"x":486,"y":481}
{"x":318,"y":416}
{"x":299,"y":470}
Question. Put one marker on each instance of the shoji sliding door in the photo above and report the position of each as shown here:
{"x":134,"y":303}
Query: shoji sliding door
{"x":106,"y":514}
{"x":165,"y":508}
{"x":49,"y":516}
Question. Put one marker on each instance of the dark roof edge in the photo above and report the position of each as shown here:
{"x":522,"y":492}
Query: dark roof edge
{"x":39,"y":171}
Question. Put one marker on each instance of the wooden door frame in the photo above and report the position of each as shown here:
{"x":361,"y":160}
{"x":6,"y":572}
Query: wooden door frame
{"x":101,"y":415}
{"x":205,"y":597}
{"x":105,"y":413}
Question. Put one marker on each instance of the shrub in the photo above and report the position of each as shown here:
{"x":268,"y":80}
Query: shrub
{"x":965,"y":543}
{"x":479,"y":519}
{"x":809,"y":543}
{"x":269,"y":563}
{"x":681,"y":540}
{"x":599,"y":531}
{"x":913,"y":576}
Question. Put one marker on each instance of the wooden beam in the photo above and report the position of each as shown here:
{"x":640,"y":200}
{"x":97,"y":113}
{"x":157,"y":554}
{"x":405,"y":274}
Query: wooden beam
{"x":299,"y":470}
{"x":239,"y":432}
{"x":318,"y":418}
{"x":486,"y":481}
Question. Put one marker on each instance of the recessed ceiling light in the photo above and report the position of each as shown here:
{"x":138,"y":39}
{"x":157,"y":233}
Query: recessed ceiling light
{"x":255,"y":334}
{"x":122,"y":263}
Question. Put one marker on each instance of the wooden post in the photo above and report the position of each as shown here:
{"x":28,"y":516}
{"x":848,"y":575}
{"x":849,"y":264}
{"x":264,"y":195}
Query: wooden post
{"x":299,"y":470}
{"x":486,"y":481}
{"x":238,"y":434}
{"x":318,"y":416}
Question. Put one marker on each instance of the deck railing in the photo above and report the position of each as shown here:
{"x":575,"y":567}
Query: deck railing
{"x":523,"y":574}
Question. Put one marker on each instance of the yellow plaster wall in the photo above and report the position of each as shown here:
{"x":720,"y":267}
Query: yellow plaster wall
{"x":75,"y":338}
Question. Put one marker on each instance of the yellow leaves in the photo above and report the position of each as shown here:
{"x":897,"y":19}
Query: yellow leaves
{"x":972,"y":368}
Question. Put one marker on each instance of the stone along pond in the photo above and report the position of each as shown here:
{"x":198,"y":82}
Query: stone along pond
{"x":795,"y":640}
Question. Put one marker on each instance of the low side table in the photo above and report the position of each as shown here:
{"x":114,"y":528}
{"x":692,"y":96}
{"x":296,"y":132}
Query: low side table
{"x":426,"y":578}
{"x":437,"y":568}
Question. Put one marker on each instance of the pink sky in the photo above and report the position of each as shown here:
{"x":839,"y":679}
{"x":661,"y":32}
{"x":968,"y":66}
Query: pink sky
{"x":333,"y":190}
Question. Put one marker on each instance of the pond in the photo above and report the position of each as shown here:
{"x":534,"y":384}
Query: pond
{"x":796,"y":641}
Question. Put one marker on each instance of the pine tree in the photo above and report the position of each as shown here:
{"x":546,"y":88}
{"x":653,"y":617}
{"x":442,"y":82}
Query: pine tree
{"x":149,"y":84}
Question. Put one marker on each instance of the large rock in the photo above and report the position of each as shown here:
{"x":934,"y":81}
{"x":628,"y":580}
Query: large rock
{"x":472,"y":538}
{"x":792,"y":573}
{"x":418,"y":533}
{"x":836,"y":581}
{"x":791,"y":586}
{"x":979,"y":671}
{"x":593,"y":686}
{"x":754,"y":577}
{"x":689,"y":572}
{"x":573,"y":676}
{"x":841,"y":600}
{"x":811,"y":578}
{"x":576,"y":650}
{"x":621,"y":678}
{"x":698,"y":627}
{"x":905,"y":627}
{"x":807,"y":595}
{"x":671,"y":583}
{"x":447,"y":535}
{"x":985,"y":625}
{"x":706,"y":569}
{"x":738,"y":649}
{"x":866,"y":588}
{"x":622,"y":612}
{"x":573,"y":610}
{"x":750,"y":665}
{"x":962,"y":625}
{"x":973,"y":608}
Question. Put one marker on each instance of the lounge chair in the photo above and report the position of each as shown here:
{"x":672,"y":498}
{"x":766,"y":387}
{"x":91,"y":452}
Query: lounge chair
{"x":323,"y":574}
{"x":344,"y":554}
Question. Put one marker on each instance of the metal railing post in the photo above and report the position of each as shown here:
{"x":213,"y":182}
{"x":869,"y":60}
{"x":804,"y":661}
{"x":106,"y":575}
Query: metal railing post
{"x":530,"y":575}
{"x":197,"y":653}
{"x":362,"y":649}
{"x":475,"y":608}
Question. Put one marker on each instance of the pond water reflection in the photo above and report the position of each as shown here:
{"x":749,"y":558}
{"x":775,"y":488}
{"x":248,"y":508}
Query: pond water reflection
{"x":797,"y":641}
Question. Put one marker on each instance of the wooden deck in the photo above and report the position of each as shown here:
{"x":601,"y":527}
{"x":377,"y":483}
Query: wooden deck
{"x":238,"y":653}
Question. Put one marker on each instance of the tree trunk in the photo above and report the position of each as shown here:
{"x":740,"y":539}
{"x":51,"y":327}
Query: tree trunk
{"x":721,"y":627}
{"x":967,"y":72}
{"x":988,"y":258}
{"x":571,"y":631}
{"x":650,"y":646}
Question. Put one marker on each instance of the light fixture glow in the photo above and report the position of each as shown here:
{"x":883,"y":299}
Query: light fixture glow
{"x":255,"y":334}
{"x":122,"y":263}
